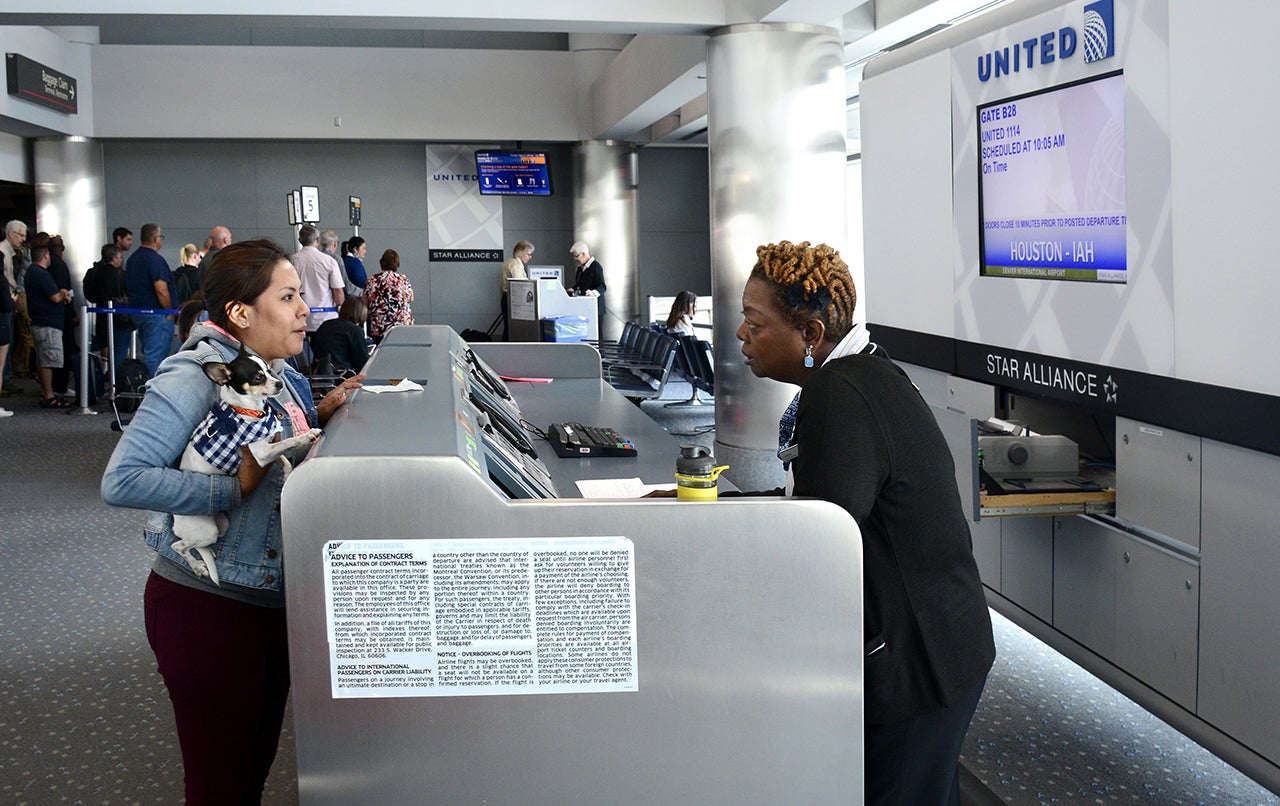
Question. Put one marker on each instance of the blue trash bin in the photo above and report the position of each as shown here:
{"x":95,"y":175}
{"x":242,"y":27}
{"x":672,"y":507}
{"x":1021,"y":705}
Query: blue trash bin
{"x":564,"y":328}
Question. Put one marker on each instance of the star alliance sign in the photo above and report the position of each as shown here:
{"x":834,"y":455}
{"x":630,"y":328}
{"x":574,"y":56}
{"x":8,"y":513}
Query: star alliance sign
{"x":1099,"y":43}
{"x":1050,"y":376}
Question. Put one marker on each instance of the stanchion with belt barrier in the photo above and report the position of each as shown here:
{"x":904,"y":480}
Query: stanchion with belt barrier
{"x":85,"y":340}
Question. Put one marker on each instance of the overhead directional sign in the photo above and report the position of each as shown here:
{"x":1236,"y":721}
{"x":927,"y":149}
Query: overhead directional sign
{"x":32,"y":81}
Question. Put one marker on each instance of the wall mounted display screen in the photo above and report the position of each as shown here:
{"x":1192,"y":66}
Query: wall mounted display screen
{"x":1051,"y":189}
{"x":513,"y":173}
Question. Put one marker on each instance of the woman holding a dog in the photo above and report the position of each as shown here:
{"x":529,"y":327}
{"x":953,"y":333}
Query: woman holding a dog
{"x":222,"y":649}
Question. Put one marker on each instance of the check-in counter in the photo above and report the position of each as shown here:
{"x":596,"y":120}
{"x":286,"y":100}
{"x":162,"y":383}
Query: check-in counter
{"x":531,"y":301}
{"x":453,"y":643}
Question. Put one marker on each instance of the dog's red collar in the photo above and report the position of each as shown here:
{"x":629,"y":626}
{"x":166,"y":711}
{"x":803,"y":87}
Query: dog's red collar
{"x":248,"y":412}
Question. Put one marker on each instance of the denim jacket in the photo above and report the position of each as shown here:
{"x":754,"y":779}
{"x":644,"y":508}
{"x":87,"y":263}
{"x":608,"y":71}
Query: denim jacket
{"x":143,"y":470}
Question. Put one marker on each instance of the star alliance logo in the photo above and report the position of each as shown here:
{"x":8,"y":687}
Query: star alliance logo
{"x":1112,"y":390}
{"x":1099,"y":26}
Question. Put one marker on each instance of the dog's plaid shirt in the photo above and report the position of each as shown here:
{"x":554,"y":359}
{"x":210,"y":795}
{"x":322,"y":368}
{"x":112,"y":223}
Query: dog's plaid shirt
{"x":219,"y":437}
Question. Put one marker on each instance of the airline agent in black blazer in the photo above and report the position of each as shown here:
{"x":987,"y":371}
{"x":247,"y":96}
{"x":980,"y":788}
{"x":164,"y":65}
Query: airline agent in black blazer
{"x":860,"y":436}
{"x":588,"y":280}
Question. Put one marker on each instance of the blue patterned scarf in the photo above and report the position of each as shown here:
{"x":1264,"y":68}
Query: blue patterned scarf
{"x":219,"y":436}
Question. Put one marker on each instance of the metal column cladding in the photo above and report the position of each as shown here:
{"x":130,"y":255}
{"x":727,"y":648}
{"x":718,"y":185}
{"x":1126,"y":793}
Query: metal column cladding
{"x":70,"y":197}
{"x":604,"y":216}
{"x":776,"y":111}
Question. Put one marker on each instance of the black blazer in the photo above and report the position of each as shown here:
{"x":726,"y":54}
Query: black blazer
{"x":589,"y":278}
{"x":869,"y":443}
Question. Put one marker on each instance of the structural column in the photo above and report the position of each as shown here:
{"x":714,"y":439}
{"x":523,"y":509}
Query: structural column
{"x":604,"y":216}
{"x":776,"y":114}
{"x":70,"y":199}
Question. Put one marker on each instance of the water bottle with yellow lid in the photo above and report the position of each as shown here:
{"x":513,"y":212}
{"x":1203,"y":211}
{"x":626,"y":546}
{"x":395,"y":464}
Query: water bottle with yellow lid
{"x":696,"y":474}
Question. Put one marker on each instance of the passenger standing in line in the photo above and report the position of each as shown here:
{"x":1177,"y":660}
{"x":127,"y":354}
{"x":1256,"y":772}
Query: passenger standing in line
{"x":122,"y":237}
{"x":6,"y":329}
{"x":322,"y":284}
{"x":330,"y":246}
{"x":149,"y":283}
{"x":16,"y":259}
{"x":860,"y":436}
{"x":61,"y":272}
{"x":389,"y":297}
{"x":186,"y":278}
{"x":223,"y":651}
{"x":219,"y":237}
{"x":106,"y":281}
{"x":513,"y":269}
{"x":45,"y":302}
{"x":353,"y":261}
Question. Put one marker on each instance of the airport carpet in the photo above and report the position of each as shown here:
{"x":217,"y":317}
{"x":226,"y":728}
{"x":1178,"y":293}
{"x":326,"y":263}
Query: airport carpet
{"x":84,"y":717}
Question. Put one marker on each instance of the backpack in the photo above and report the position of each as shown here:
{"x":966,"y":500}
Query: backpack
{"x":185,"y":284}
{"x":90,"y":284}
{"x":131,"y":377}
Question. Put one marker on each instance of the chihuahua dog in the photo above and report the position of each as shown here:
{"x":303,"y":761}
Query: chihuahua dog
{"x":241,"y":417}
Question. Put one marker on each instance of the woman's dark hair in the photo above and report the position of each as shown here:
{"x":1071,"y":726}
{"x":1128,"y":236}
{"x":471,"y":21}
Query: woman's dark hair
{"x":354,"y":309}
{"x":189,"y":314}
{"x":239,"y":272}
{"x":809,"y":282}
{"x":352,"y":244}
{"x":390,"y":260}
{"x":682,"y":305}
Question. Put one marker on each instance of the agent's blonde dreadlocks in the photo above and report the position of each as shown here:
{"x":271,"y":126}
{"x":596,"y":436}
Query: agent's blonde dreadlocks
{"x":809,"y":281}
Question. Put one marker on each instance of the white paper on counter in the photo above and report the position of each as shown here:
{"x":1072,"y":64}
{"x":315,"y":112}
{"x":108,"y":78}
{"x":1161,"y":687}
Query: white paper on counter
{"x":619,"y":488}
{"x":404,"y":385}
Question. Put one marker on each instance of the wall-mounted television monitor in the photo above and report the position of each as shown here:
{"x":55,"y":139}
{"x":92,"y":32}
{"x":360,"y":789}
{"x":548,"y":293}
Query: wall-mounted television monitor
{"x":513,"y":173}
{"x":1051,"y":185}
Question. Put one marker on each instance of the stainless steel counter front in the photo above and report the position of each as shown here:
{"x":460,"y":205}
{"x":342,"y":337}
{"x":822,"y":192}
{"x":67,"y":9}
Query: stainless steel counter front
{"x":747,"y":620}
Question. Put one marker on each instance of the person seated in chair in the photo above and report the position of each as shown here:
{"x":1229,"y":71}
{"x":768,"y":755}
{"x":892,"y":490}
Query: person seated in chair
{"x":340,"y":345}
{"x":680,"y":320}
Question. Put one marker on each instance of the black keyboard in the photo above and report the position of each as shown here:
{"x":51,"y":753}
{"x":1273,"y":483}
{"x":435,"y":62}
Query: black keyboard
{"x":578,"y":440}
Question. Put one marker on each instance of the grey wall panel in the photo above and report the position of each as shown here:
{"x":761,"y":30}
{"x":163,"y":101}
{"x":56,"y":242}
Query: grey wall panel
{"x":186,"y":188}
{"x":1026,"y":564}
{"x":1239,"y":598}
{"x":671,"y":262}
{"x":411,"y":94}
{"x":1084,"y":583}
{"x":452,"y":285}
{"x":674,"y":215}
{"x":906,"y":181}
{"x":931,"y":383}
{"x":1159,"y":472}
{"x":1157,"y":618}
{"x":662,"y":169}
{"x":986,"y":551}
{"x":389,"y":178}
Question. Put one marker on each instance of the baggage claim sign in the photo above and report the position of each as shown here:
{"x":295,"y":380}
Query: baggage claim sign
{"x":32,"y":81}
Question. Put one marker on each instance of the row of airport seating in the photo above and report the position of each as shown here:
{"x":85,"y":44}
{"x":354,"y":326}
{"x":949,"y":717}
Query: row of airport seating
{"x":645,"y":359}
{"x":697,"y":367}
